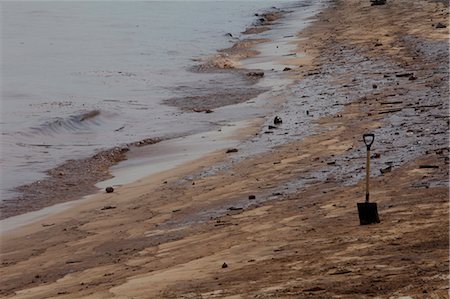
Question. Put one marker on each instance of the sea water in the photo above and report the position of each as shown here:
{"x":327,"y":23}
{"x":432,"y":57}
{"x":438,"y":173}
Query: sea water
{"x":117,"y":61}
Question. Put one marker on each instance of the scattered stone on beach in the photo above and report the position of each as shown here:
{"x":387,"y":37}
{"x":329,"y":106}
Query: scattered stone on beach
{"x":378,"y":2}
{"x":402,"y":75}
{"x":203,"y":110}
{"x":286,"y":69}
{"x":251,"y":197}
{"x":440,"y":25}
{"x":234,"y":208}
{"x":314,"y":289}
{"x":224,"y":265}
{"x":428,"y":166}
{"x":272,"y":127}
{"x":374,"y":86}
{"x":386,"y":170}
{"x":375,"y":156}
{"x":277,"y":120}
{"x":256,"y":74}
{"x":109,"y":189}
{"x":108,"y":208}
{"x":232,"y":150}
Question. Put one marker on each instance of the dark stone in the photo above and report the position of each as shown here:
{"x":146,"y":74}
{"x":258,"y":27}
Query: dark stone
{"x":404,"y":75}
{"x":234,"y":209}
{"x":224,"y":265}
{"x":232,"y":150}
{"x":378,"y":2}
{"x":374,"y":86}
{"x":314,"y":289}
{"x":277,"y":120}
{"x":272,"y":127}
{"x":251,"y":197}
{"x":386,"y":170}
{"x":440,"y":25}
{"x":256,"y":74}
{"x":109,"y":189}
{"x":107,"y":208}
{"x":428,"y":166}
{"x":286,"y":69}
{"x":375,"y":156}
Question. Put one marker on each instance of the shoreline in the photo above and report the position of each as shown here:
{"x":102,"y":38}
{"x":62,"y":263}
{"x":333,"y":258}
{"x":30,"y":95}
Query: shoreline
{"x":63,"y":181}
{"x":283,"y":223}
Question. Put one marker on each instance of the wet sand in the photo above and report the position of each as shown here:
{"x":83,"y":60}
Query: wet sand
{"x":283,"y":223}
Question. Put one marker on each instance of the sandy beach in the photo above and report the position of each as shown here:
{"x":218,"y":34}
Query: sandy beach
{"x":281,"y":223}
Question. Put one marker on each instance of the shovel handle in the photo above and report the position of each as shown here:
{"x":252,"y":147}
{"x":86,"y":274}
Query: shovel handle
{"x":368,"y":140}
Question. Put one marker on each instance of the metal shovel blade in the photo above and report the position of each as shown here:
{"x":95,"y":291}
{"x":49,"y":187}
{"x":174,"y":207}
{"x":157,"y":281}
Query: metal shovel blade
{"x":368,"y":213}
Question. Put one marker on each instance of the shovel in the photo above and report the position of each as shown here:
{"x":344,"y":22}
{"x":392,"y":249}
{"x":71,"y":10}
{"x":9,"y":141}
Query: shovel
{"x":368,"y":211}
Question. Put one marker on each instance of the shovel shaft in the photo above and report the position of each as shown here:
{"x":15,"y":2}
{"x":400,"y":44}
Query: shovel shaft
{"x":367,"y":174}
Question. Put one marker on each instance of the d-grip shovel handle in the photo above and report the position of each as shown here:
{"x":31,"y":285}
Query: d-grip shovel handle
{"x":368,"y":140}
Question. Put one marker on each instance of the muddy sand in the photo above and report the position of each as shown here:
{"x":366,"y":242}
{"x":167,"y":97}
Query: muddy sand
{"x":283,"y":223}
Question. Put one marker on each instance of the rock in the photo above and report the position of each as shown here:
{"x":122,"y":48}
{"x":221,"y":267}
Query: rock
{"x":277,"y":120}
{"x":374,"y":86}
{"x":404,"y":75}
{"x":375,"y":156}
{"x":251,"y":197}
{"x":314,"y":289}
{"x":378,"y":44}
{"x":108,"y":208}
{"x":202,"y":110}
{"x":109,"y":189}
{"x":234,"y":209}
{"x":286,"y":69}
{"x":412,"y":78}
{"x":232,"y":150}
{"x":272,"y":127}
{"x":229,"y":34}
{"x":224,"y":265}
{"x":428,"y":166}
{"x":256,"y":74}
{"x":378,"y":2}
{"x":440,"y":25}
{"x":386,"y":170}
